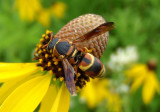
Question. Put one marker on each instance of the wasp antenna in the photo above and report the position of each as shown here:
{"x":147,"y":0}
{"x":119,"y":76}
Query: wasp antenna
{"x":110,"y":25}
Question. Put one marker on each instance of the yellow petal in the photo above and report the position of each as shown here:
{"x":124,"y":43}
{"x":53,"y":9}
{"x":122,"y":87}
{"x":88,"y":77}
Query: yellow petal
{"x":11,"y":71}
{"x":94,"y":87}
{"x":62,"y":101}
{"x":44,"y":17}
{"x":9,"y":86}
{"x":101,"y":89}
{"x":28,"y":9}
{"x":58,"y":9}
{"x":149,"y":88}
{"x":88,"y":93}
{"x":138,"y":81}
{"x":136,"y":70}
{"x":48,"y":99}
{"x":155,"y":81}
{"x":27,"y":96}
{"x":114,"y":103}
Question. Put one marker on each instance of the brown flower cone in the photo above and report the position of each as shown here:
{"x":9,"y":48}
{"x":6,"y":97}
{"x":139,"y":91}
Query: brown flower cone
{"x":80,"y":26}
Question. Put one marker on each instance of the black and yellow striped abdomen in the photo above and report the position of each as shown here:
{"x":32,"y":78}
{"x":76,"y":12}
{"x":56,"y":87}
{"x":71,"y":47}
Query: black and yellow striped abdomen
{"x":91,"y":65}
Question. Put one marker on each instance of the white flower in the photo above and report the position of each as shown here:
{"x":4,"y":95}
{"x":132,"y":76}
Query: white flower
{"x":123,"y":57}
{"x":123,"y":88}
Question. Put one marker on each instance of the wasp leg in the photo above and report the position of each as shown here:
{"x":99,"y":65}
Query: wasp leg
{"x":56,"y":60}
{"x":76,"y":69}
{"x":88,"y":50}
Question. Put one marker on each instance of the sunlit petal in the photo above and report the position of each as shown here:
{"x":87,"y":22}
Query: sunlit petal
{"x":136,"y":70}
{"x":149,"y":88}
{"x":88,"y":93}
{"x":9,"y":86}
{"x":94,"y":87}
{"x":11,"y":71}
{"x":44,"y":17}
{"x":58,"y":9}
{"x":28,"y":9}
{"x":62,"y":101}
{"x":137,"y":82}
{"x":48,"y":99}
{"x":27,"y":96}
{"x":114,"y":103}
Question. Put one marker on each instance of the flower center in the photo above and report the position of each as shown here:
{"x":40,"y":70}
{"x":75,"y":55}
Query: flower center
{"x":49,"y":62}
{"x":152,"y":65}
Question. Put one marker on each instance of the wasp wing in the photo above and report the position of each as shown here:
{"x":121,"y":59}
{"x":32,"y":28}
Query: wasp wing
{"x":80,"y":26}
{"x":69,"y":76}
{"x":95,"y":32}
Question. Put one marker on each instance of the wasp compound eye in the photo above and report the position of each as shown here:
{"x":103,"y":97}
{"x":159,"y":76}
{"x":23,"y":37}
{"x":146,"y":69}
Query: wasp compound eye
{"x":52,"y":43}
{"x":63,"y":47}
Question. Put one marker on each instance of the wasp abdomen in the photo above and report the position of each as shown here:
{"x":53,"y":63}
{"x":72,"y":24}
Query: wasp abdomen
{"x":91,"y":66}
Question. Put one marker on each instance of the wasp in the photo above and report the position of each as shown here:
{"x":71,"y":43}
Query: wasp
{"x":76,"y":58}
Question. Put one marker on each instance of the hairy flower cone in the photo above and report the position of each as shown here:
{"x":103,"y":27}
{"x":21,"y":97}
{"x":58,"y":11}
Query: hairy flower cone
{"x":71,"y":31}
{"x":80,"y":26}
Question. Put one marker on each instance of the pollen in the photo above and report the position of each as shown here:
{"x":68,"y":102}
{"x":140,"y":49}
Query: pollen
{"x":39,"y":52}
{"x":42,"y":69}
{"x":61,"y":79}
{"x":78,"y":74}
{"x":48,"y":32}
{"x":59,"y":69}
{"x":46,"y":55}
{"x":77,"y":88}
{"x":39,"y":45}
{"x":43,"y":35}
{"x":51,"y":72}
{"x":46,"y":37}
{"x":36,"y":49}
{"x":41,"y":40}
{"x":54,"y":79}
{"x":56,"y":62}
{"x":82,"y":80}
{"x":49,"y":63}
{"x":40,"y":60}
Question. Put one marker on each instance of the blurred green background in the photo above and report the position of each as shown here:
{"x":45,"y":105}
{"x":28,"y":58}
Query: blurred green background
{"x":137,"y":22}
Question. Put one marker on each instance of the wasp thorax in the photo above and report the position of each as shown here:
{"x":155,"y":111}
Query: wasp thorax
{"x":60,"y":48}
{"x":50,"y":52}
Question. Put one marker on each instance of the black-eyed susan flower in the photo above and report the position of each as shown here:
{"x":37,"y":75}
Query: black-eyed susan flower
{"x":114,"y":102}
{"x":44,"y":17}
{"x":25,"y":87}
{"x":97,"y":91}
{"x":28,"y":9}
{"x":57,"y":10}
{"x":94,"y":92}
{"x":31,"y":10}
{"x":144,"y":75}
